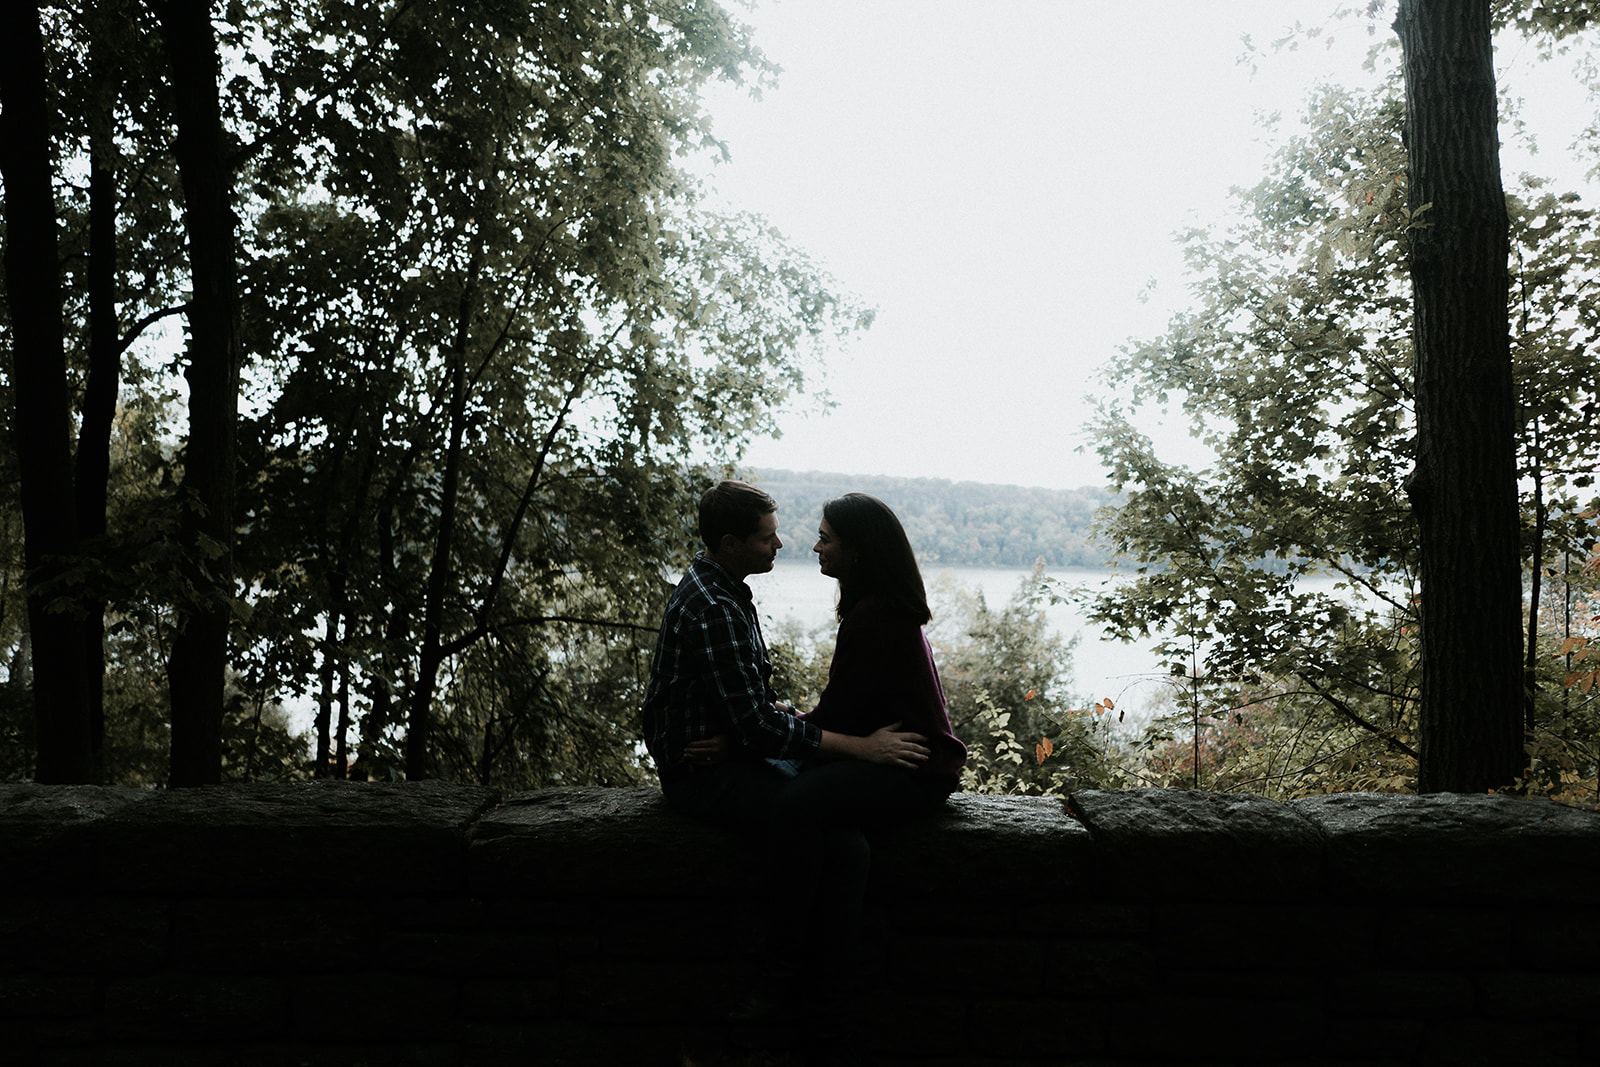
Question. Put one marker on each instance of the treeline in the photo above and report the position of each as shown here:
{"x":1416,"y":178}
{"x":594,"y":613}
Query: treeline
{"x":953,"y":524}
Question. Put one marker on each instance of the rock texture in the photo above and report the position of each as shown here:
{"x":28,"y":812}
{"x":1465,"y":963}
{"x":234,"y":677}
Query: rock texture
{"x":427,"y":924}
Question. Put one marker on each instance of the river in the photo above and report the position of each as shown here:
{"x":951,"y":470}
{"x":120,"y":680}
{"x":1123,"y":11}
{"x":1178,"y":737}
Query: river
{"x":1128,"y":674}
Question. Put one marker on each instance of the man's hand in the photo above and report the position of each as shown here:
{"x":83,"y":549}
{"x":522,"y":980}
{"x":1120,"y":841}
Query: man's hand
{"x":712,"y":750}
{"x":888,"y":745}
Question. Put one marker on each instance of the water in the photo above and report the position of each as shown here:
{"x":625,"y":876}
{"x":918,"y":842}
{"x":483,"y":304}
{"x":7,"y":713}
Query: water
{"x":1128,"y":674}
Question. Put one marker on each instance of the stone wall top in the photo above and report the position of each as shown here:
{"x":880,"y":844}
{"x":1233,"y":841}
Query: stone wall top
{"x":330,"y":837}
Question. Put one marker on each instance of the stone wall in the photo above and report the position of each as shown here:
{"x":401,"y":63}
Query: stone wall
{"x":337,"y":923}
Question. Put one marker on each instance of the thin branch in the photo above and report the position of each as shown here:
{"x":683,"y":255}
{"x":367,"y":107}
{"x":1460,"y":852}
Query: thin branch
{"x":145,"y":323}
{"x":1354,"y":716}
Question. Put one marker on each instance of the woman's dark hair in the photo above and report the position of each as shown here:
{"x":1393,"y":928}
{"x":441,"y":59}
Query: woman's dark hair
{"x":884,"y":565}
{"x":732,"y":507}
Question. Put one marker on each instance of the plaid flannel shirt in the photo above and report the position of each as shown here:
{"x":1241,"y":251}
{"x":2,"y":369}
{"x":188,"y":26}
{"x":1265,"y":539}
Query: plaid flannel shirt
{"x":710,"y":675}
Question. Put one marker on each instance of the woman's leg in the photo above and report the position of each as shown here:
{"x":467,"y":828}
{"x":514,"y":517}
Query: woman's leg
{"x":820,"y":821}
{"x":854,"y":793}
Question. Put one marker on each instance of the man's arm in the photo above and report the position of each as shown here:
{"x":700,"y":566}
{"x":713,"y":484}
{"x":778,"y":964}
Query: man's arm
{"x":888,"y":745}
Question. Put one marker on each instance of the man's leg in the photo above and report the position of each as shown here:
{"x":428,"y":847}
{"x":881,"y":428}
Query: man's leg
{"x":739,"y":796}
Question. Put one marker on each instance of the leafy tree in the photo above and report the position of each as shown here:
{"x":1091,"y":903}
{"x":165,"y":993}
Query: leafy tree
{"x":497,"y":423}
{"x":1294,"y":366}
{"x":1008,"y":684}
{"x":487,"y":326}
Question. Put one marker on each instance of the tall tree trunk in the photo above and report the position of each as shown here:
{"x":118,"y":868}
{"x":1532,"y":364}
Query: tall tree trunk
{"x":42,"y":422}
{"x":322,"y":722}
{"x":341,"y":748}
{"x":431,"y":655}
{"x":93,"y":469}
{"x":1463,"y":487}
{"x":199,"y":653}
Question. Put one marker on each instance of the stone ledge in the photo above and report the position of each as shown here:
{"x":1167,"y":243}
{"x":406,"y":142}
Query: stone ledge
{"x":320,"y":837}
{"x":329,"y":837}
{"x":575,"y":842}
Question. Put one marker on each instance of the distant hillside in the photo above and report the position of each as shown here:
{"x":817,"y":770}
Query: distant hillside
{"x":952,"y":524}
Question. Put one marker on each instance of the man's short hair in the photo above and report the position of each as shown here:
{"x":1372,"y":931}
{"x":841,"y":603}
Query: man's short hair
{"x":732,"y":507}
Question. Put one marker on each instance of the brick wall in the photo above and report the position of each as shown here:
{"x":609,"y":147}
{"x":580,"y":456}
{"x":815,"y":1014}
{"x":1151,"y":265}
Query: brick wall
{"x":337,"y":923}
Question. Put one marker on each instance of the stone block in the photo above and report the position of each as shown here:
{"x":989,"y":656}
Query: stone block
{"x":91,"y":934}
{"x":614,"y":844}
{"x":1400,"y":989}
{"x":536,"y":995}
{"x":269,"y":934}
{"x":1031,"y":845}
{"x":48,"y":839}
{"x":46,"y":996}
{"x":1456,"y":937}
{"x":1538,"y":996}
{"x":1216,"y":1023}
{"x":1186,"y":845}
{"x":1038,"y":1028}
{"x":309,"y":838}
{"x":375,"y":1005}
{"x":1463,"y":846}
{"x":193,"y":1008}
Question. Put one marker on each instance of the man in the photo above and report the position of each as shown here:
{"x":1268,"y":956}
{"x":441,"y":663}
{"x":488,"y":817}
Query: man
{"x":711,"y":677}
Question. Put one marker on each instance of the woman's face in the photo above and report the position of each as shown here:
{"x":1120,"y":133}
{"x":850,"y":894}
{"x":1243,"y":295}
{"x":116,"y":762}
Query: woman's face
{"x":834,"y":557}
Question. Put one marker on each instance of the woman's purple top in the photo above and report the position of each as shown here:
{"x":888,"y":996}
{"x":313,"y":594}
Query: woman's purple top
{"x":883,"y":672}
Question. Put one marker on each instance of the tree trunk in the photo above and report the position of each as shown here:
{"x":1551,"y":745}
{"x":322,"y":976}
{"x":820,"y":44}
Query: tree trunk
{"x":323,"y":721}
{"x":42,"y":422}
{"x":93,"y":469}
{"x":1463,"y":487}
{"x":431,"y":656}
{"x":199,"y":653}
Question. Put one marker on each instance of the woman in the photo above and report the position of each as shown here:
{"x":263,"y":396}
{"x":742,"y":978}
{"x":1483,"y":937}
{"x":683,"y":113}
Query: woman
{"x":882,"y":675}
{"x":883,"y":672}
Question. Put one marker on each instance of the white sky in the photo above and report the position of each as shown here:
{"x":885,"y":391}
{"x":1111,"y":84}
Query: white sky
{"x":1002,"y":179}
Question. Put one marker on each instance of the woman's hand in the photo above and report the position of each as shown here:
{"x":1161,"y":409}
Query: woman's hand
{"x":713,"y":750}
{"x":888,"y":745}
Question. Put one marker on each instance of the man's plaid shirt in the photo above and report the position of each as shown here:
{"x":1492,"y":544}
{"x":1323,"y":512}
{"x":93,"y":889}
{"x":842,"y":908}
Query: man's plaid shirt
{"x":711,"y":675}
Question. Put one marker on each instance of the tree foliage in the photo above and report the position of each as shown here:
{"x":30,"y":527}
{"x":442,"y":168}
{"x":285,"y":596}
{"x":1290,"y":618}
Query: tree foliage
{"x":1008,"y":682}
{"x":1294,"y":368}
{"x":488,"y":330}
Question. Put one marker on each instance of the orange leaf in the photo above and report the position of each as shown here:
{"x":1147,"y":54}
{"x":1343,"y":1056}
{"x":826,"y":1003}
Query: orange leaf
{"x":1031,"y":694}
{"x":1049,"y":749}
{"x":1038,"y":751}
{"x":1571,"y":643}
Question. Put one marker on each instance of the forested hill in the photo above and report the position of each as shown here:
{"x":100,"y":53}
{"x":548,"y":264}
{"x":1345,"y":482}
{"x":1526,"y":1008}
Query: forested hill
{"x":951,"y":524}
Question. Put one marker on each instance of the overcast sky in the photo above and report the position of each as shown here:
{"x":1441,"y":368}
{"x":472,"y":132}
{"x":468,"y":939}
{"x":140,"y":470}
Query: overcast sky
{"x":1001,"y":179}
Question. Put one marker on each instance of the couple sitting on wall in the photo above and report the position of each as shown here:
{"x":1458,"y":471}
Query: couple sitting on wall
{"x":877,"y":750}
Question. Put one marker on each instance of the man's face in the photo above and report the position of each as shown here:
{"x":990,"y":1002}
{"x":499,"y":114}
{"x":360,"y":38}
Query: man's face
{"x":754,"y":554}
